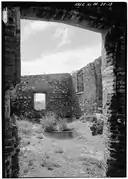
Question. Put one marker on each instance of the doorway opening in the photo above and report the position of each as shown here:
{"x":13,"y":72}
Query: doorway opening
{"x":111,"y":40}
{"x":62,"y":64}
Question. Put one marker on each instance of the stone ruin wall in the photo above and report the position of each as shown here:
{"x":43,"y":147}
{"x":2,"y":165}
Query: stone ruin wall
{"x":114,"y":99}
{"x":11,"y":142}
{"x":60,"y":94}
{"x":61,"y":91}
{"x":111,"y":22}
{"x":11,"y":71}
{"x":90,"y":99}
{"x":23,"y":99}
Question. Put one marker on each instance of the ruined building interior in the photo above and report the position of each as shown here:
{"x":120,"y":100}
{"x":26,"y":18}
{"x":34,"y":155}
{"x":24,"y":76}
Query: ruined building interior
{"x":108,"y":73}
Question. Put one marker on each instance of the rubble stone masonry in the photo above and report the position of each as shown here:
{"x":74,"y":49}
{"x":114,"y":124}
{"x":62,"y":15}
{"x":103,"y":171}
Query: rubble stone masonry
{"x":60,"y":93}
{"x":11,"y":62}
{"x":111,"y":22}
{"x":91,"y":96}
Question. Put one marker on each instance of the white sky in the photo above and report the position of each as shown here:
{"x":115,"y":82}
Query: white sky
{"x":39,"y":97}
{"x":48,"y":47}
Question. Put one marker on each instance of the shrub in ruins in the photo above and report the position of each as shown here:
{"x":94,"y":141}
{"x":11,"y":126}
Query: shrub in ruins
{"x":52,"y":123}
{"x":97,"y":126}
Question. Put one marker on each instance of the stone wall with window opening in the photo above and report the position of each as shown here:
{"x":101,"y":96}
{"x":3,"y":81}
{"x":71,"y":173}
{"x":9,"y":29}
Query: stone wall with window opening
{"x":88,"y":85}
{"x":110,"y":19}
{"x":60,"y":94}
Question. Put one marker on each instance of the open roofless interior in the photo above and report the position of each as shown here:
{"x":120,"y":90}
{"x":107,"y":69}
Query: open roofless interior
{"x":85,"y":108}
{"x":69,"y":63}
{"x":66,"y":77}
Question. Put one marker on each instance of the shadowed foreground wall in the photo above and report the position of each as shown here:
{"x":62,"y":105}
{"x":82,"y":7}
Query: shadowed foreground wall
{"x":90,"y":98}
{"x":60,"y":93}
{"x":114,"y":99}
{"x":11,"y":71}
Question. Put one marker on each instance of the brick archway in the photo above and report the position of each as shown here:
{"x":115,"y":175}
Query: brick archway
{"x":110,"y":21}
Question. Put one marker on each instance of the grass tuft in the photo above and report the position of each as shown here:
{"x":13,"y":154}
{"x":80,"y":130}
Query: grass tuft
{"x":51,"y":123}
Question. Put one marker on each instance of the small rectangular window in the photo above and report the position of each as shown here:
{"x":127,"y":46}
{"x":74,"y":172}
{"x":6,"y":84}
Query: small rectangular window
{"x":39,"y":101}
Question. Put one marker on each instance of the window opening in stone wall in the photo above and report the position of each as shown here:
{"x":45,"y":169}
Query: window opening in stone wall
{"x":39,"y":101}
{"x":80,"y":82}
{"x":54,"y":60}
{"x":52,"y":56}
{"x":50,"y":53}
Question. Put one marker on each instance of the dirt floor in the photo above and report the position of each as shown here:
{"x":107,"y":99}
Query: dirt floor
{"x":46,"y":156}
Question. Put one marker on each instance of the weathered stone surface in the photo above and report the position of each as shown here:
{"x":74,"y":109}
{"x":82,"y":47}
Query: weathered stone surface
{"x":110,"y":20}
{"x":91,"y":96}
{"x":60,"y":94}
{"x":11,"y":77}
{"x":93,"y":16}
{"x":113,"y":103}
